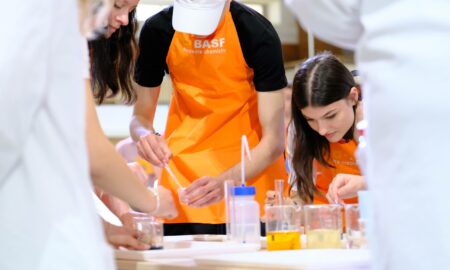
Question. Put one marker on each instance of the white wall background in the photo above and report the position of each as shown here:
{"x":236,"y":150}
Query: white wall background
{"x":274,"y":10}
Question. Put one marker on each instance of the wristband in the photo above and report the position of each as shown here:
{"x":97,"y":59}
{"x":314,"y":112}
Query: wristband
{"x":155,"y":133}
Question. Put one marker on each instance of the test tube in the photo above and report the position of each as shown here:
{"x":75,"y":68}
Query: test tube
{"x":279,"y":190}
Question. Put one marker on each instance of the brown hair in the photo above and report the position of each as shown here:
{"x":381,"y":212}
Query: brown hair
{"x":320,"y":81}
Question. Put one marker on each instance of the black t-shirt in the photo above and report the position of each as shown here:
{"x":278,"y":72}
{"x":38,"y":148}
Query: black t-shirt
{"x":259,"y":41}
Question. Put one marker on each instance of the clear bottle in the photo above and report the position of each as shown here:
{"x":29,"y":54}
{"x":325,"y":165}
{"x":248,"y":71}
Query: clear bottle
{"x":363,"y":195}
{"x":245,"y":222}
{"x":362,"y":144}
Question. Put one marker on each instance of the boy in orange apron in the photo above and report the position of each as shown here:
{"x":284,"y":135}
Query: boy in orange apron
{"x":226,"y":67}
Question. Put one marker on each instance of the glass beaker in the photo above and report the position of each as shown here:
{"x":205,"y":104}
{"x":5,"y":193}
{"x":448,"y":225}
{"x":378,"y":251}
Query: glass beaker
{"x":323,"y":225}
{"x":283,"y":227}
{"x":150,"y":231}
{"x":355,"y":238}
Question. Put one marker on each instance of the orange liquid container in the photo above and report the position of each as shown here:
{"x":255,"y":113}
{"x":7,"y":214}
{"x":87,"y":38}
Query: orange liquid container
{"x":283,"y":240}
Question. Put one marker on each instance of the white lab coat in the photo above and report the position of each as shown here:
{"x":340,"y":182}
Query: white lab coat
{"x":47,"y":215}
{"x":403,"y":52}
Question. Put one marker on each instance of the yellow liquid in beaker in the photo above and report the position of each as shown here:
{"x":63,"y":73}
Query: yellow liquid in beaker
{"x":323,"y":238}
{"x":283,"y":240}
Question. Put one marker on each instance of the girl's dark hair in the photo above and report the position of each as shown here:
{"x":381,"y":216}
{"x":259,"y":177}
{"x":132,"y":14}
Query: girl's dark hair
{"x":320,"y":81}
{"x":112,"y":63}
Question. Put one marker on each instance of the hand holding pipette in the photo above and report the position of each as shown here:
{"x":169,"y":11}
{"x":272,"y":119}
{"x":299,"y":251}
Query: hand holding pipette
{"x":345,"y":186}
{"x":209,"y":189}
{"x":153,"y":148}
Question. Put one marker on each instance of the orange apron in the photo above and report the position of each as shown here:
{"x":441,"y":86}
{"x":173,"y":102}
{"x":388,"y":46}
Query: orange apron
{"x":213,"y":103}
{"x":342,"y":157}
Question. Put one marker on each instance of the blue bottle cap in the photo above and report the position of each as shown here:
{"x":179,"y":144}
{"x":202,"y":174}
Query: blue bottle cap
{"x":244,"y":191}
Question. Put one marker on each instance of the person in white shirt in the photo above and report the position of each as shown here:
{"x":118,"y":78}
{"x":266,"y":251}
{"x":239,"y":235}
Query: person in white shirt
{"x":46,"y":209}
{"x":112,"y":57}
{"x":402,"y":51}
{"x":110,"y":43}
{"x":48,"y":219}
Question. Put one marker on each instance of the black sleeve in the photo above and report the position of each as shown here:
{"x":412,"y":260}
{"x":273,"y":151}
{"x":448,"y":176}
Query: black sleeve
{"x":261,"y":47}
{"x":154,"y":42}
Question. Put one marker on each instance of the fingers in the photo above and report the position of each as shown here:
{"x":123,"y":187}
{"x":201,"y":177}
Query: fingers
{"x":347,"y":191}
{"x":127,"y":223}
{"x":160,"y":149}
{"x":167,"y":153}
{"x":144,"y":149}
{"x":154,"y":149}
{"x":270,"y":197}
{"x":204,"y":191}
{"x":146,"y":152}
{"x":332,"y":194}
{"x":355,"y":184}
{"x":127,"y":241}
{"x":196,"y":186}
{"x":344,"y":186}
{"x":210,"y":198}
{"x":333,"y":199}
{"x":199,"y":189}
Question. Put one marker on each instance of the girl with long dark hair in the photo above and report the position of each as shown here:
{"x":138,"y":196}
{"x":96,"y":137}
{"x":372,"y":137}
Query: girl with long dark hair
{"x":112,"y":57}
{"x":113,"y":54}
{"x":325,"y":108}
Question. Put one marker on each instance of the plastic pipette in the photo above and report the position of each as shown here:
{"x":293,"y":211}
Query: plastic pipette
{"x":175,"y":179}
{"x":244,"y":148}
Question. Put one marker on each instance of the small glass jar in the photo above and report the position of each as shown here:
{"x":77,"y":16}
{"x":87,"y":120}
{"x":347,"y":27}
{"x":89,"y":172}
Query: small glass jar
{"x":150,"y":231}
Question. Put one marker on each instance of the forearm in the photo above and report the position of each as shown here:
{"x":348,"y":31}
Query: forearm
{"x":117,"y":206}
{"x":271,"y":146}
{"x":110,"y":173}
{"x":263,"y":155}
{"x":144,"y":111}
{"x":140,"y":127}
{"x":108,"y":170}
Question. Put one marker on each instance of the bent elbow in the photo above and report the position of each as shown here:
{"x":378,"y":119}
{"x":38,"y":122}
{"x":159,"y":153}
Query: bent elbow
{"x":277,"y":150}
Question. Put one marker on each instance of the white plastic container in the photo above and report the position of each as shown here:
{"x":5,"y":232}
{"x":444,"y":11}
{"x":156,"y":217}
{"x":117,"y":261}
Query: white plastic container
{"x":245,"y":222}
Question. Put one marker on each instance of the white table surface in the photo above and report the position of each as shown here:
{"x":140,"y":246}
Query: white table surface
{"x":234,"y":257}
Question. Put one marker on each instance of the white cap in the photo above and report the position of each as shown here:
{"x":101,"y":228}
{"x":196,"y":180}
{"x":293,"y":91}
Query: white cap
{"x":198,"y":17}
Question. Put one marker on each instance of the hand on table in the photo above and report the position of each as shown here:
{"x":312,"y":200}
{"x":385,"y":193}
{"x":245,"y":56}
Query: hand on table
{"x":123,"y":237}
